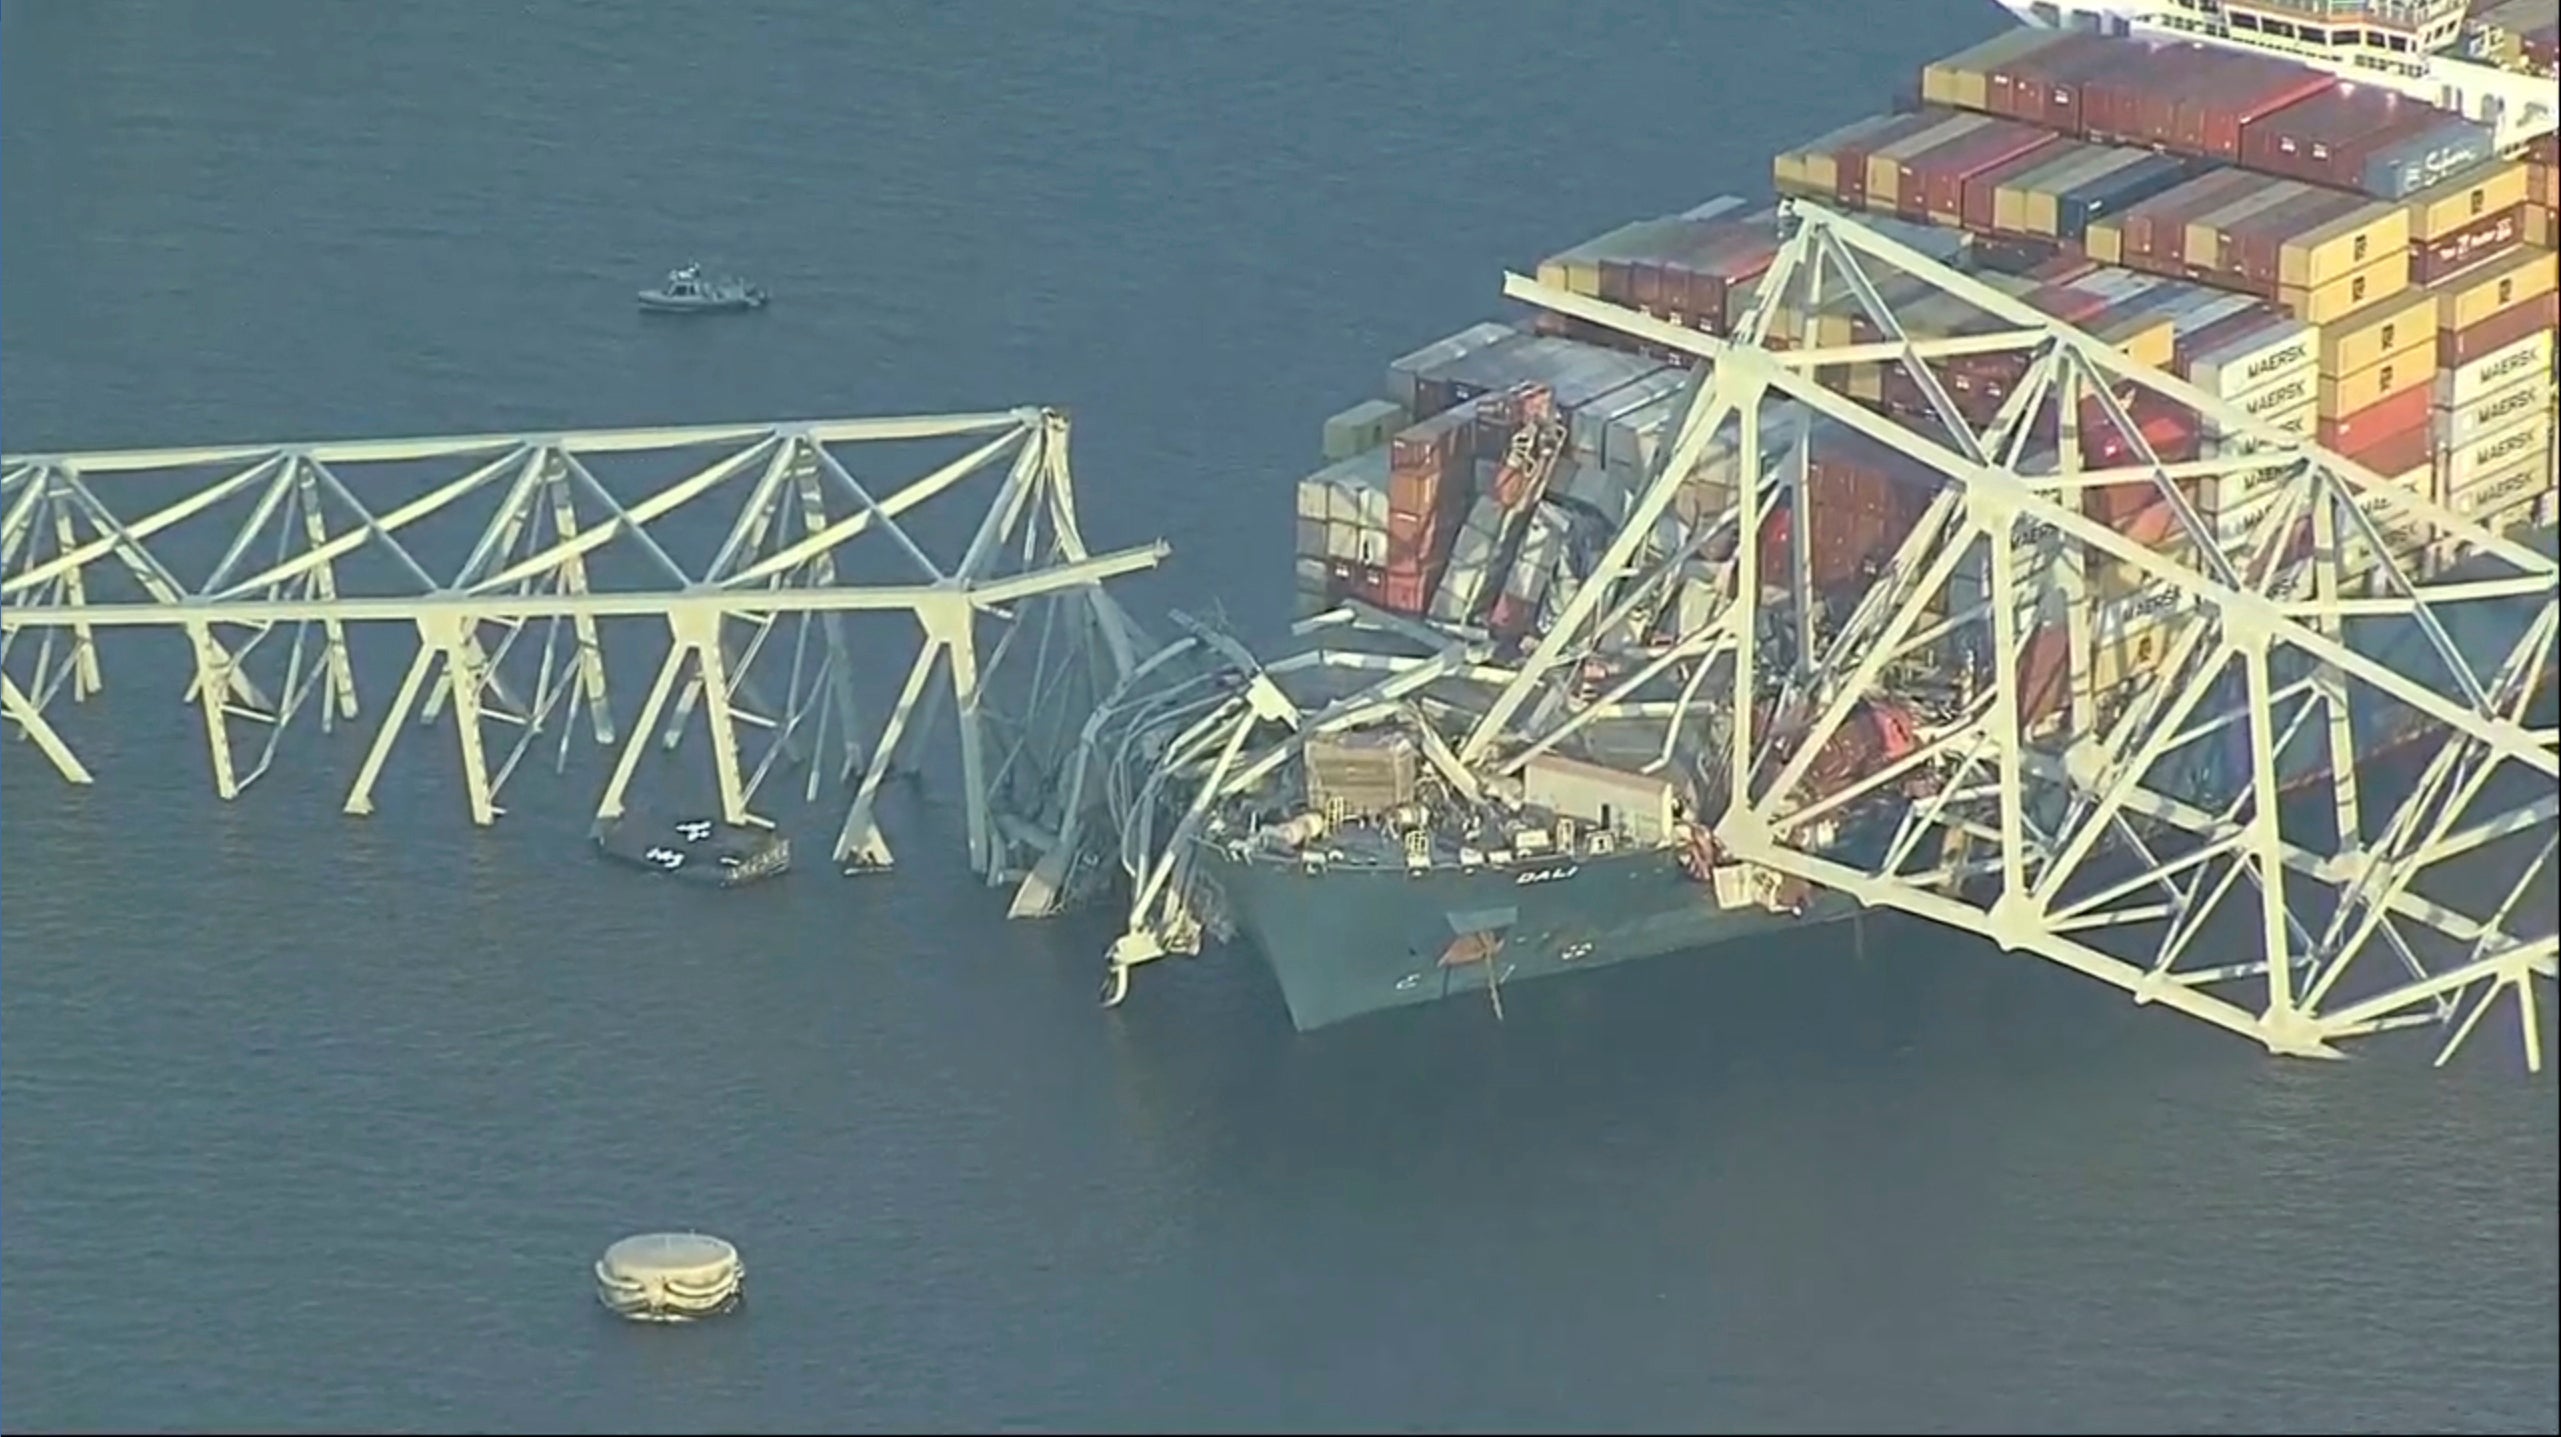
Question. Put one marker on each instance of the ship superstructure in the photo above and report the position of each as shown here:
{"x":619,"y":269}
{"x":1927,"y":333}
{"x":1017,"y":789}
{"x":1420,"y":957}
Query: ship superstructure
{"x":2496,"y":63}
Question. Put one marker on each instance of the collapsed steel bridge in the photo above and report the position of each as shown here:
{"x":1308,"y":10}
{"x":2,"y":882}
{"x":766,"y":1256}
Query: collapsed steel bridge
{"x":553,"y":545}
{"x":2066,"y":845}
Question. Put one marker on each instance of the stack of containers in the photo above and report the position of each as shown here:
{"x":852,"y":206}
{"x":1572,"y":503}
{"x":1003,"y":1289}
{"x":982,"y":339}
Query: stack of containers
{"x":1691,"y":269}
{"x":2516,"y":35}
{"x":2191,"y":99}
{"x":2320,"y":253}
{"x":2495,"y":322}
{"x":1472,"y":554}
{"x":1363,"y":427}
{"x":1430,"y":468}
{"x":1343,"y":518}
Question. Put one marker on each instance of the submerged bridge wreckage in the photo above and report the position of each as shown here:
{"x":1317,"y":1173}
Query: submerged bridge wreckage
{"x":552,"y":544}
{"x":2213,"y":801}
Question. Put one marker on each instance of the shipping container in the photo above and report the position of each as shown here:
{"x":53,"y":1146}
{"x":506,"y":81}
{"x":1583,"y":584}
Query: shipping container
{"x":2151,"y":231}
{"x":2007,"y":190}
{"x":2319,"y":245}
{"x":2194,"y":99}
{"x":1994,"y":199}
{"x":1963,"y":80}
{"x":2485,"y":239}
{"x":2462,"y":199}
{"x":1403,"y":386}
{"x":2104,"y":196}
{"x":2492,"y":412}
{"x":2364,"y":138}
{"x":1814,"y":169}
{"x":2510,"y":484}
{"x":2385,"y":329}
{"x":2210,"y":241}
{"x":1887,"y":163}
{"x":1931,"y":184}
{"x":2250,"y":352}
{"x":2293,"y":393}
{"x":2526,"y":358}
{"x":2468,"y":298}
{"x":2044,"y":86}
{"x":2459,"y":347}
{"x":2459,"y":467}
{"x":2329,"y":303}
{"x":1362,"y":428}
{"x":2388,"y":451}
{"x":2380,"y":397}
{"x":1703,"y":283}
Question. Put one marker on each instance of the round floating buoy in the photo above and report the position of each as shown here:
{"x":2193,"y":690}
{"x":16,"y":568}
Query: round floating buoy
{"x":670,"y":1277}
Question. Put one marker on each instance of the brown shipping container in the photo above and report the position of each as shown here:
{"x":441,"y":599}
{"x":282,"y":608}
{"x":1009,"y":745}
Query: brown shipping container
{"x":2044,"y":87}
{"x":1984,"y":209}
{"x":2208,"y":239}
{"x":2358,"y":237}
{"x":2134,"y":99}
{"x":2251,"y":247}
{"x":2386,"y":329}
{"x":2461,"y":200}
{"x":1941,"y":175}
{"x":2474,"y":295}
{"x":2483,"y":240}
{"x":1702,"y":282}
{"x":2154,"y":230}
{"x":1963,"y":80}
{"x":2457,"y":348}
{"x":2326,"y":137}
{"x":1885,"y":163}
{"x":2219,"y":107}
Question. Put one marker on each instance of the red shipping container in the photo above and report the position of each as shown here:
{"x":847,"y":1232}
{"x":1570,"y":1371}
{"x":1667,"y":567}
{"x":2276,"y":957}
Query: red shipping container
{"x":2485,"y":238}
{"x":2255,"y":245}
{"x":2394,"y":454}
{"x":2350,"y":434}
{"x":2214,"y":116}
{"x":1975,"y":200}
{"x":2135,"y":99}
{"x":2049,"y":87}
{"x":2457,"y":348}
{"x":1937,"y":176}
{"x":1851,"y":158}
{"x":1407,"y":588}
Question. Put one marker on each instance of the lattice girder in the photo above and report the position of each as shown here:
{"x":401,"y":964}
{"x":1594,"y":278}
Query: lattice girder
{"x":510,"y":633}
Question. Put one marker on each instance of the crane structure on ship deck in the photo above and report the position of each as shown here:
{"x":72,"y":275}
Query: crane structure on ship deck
{"x":550,"y":544}
{"x":2059,"y":834}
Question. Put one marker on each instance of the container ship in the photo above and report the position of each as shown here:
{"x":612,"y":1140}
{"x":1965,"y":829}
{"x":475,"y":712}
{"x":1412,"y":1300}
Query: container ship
{"x":2334,"y":258}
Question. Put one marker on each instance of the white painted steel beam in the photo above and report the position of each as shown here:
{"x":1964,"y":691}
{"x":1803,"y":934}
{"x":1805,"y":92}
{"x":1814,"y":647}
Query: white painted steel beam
{"x":319,"y":547}
{"x":2144,"y":835}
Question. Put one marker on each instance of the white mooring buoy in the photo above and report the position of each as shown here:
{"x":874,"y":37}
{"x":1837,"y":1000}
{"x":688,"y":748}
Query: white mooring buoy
{"x":670,"y":1277}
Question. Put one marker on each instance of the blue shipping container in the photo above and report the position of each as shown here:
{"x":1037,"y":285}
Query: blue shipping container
{"x":2128,"y":187}
{"x":2401,"y":170}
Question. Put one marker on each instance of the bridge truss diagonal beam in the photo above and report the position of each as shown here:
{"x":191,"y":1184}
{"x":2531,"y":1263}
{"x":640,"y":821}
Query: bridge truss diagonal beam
{"x":551,"y":553}
{"x":2298,"y":613}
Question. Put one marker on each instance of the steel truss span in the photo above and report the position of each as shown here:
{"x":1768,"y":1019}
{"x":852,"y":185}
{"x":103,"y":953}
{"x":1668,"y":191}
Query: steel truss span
{"x":267,"y":559}
{"x":2175,"y":831}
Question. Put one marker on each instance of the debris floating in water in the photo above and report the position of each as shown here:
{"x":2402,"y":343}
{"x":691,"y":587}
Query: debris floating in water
{"x":670,"y":1277}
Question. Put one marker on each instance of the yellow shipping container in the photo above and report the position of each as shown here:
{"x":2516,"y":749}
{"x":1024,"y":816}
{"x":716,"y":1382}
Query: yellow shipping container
{"x":2351,"y":244}
{"x":2031,"y":203}
{"x":2482,"y":190}
{"x":2380,"y":331}
{"x":2328,"y":303}
{"x":1885,"y":167}
{"x":2104,"y":242}
{"x":2374,"y":384}
{"x":2145,"y":339}
{"x":1964,"y":78}
{"x":2468,"y":298}
{"x":2539,"y":229}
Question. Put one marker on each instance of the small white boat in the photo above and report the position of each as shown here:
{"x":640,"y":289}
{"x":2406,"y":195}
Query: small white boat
{"x":690,"y":291}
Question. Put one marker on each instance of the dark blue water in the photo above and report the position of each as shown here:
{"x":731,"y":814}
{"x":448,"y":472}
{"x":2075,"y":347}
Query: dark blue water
{"x":315,"y":1124}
